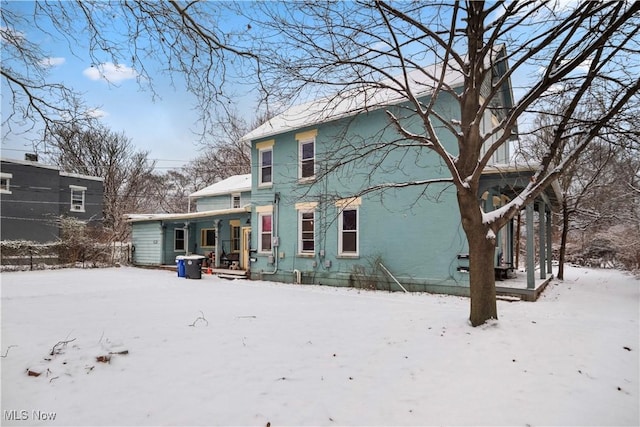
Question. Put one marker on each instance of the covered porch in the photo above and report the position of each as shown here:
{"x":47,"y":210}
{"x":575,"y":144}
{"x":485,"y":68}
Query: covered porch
{"x":530,"y":232}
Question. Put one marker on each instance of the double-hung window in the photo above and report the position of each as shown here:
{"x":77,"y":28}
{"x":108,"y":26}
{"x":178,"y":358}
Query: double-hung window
{"x":265,"y":231}
{"x":266,"y":166}
{"x":178,"y":239}
{"x":235,"y":235}
{"x":306,"y":227}
{"x":77,"y":198}
{"x":306,"y":155}
{"x":307,"y":159}
{"x":349,"y":227}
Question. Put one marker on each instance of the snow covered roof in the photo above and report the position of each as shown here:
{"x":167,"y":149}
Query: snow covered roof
{"x":233,"y":184}
{"x":354,"y":101}
{"x":422,"y":82}
{"x":185,"y":216}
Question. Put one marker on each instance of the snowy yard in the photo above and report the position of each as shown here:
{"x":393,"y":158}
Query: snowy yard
{"x":309,"y":355}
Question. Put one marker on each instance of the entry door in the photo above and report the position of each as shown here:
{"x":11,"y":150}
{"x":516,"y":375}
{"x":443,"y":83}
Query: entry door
{"x":246,"y":245}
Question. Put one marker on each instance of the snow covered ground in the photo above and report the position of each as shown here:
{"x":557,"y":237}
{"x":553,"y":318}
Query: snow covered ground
{"x":310,"y":355}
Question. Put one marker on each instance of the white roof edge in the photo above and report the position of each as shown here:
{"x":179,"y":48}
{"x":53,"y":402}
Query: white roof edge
{"x":190,"y":215}
{"x":52,"y":167}
{"x":230,"y":185}
{"x":77,"y":175}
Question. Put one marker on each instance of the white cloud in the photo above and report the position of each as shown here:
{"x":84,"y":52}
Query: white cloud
{"x":52,"y":61}
{"x":113,"y":73}
{"x":96,"y":113}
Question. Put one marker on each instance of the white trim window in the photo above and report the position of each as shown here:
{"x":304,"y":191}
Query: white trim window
{"x":207,"y":237}
{"x":235,"y":201}
{"x":349,"y":232}
{"x":178,"y":240}
{"x":77,"y":198}
{"x":306,"y":232}
{"x":265,"y":157}
{"x":307,"y":156}
{"x":5,"y":182}
{"x":265,"y":232}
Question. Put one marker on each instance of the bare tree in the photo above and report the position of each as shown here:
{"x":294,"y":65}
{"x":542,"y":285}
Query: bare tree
{"x":98,"y":151}
{"x":194,"y":43}
{"x":367,"y":50}
{"x":25,"y":68}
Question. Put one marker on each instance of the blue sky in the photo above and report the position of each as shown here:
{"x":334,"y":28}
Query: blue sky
{"x":163,"y":125}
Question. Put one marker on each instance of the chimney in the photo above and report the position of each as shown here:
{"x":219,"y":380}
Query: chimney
{"x":30,"y":157}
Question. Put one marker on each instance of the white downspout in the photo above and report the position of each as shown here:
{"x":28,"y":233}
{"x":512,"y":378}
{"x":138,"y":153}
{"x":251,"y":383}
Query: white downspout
{"x":274,"y":247}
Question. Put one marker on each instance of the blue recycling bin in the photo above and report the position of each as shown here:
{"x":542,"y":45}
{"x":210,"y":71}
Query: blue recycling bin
{"x":182,"y":272}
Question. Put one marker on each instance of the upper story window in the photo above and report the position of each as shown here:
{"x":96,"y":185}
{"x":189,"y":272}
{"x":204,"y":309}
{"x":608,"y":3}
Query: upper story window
{"x":5,"y":182}
{"x":307,"y":154}
{"x":235,"y":201}
{"x":77,"y":198}
{"x":266,"y":166}
{"x":307,"y":159}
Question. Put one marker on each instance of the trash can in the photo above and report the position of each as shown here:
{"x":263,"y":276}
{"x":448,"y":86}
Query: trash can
{"x":180,"y":266}
{"x":193,"y":266}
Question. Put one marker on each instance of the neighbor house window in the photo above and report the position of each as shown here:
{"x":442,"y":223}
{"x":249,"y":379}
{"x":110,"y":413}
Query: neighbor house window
{"x":207,"y":237}
{"x":306,"y":227}
{"x":235,"y":201}
{"x":266,"y":166}
{"x":178,"y":239}
{"x":265,"y":232}
{"x":5,"y":182}
{"x":77,"y":198}
{"x":348,"y":229}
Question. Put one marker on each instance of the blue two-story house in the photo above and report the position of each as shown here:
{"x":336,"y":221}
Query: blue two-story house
{"x":219,"y":228}
{"x":316,"y":221}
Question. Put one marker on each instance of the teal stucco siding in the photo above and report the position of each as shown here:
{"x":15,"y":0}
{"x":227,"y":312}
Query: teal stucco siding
{"x":414,"y":231}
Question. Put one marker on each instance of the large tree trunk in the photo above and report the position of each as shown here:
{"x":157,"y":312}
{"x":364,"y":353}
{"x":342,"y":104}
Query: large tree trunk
{"x":563,"y":240}
{"x":482,"y":245}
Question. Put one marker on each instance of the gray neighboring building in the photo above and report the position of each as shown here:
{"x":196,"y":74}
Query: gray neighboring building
{"x":33,"y":196}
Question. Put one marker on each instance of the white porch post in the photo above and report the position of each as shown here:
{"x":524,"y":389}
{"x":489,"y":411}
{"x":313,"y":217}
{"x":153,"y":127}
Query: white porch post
{"x":531,"y":280}
{"x":216,"y":246}
{"x":543,"y":239}
{"x":549,"y":249}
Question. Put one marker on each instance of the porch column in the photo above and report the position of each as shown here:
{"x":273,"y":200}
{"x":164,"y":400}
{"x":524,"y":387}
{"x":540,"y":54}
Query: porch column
{"x":531,"y":280}
{"x":512,"y":249}
{"x":549,"y":249}
{"x":216,"y":246}
{"x":543,"y":239}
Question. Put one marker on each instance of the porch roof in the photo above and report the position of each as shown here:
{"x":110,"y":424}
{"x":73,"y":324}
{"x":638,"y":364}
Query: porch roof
{"x":182,"y":216}
{"x":514,"y":177}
